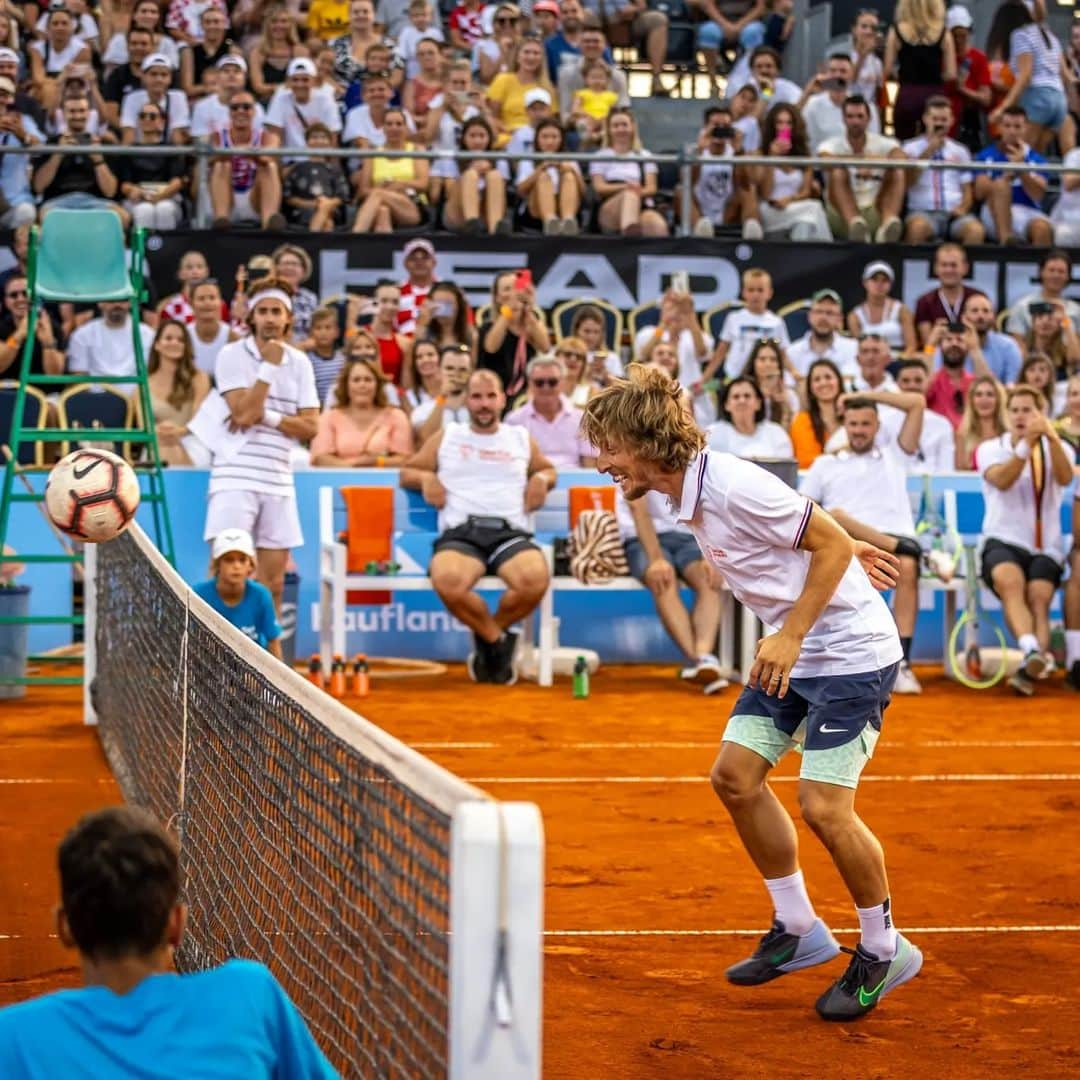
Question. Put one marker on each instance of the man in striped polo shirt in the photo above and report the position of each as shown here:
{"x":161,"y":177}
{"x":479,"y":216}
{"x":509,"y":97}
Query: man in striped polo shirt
{"x":269,"y":388}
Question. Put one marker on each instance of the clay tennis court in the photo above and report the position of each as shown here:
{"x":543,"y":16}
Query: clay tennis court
{"x":649,"y":896}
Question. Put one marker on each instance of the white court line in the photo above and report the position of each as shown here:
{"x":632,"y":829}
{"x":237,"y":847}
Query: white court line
{"x":1064,"y":929}
{"x":940,"y":778}
{"x":940,"y":744}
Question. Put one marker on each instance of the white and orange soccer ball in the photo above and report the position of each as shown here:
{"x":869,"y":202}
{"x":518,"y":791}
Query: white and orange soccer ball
{"x":92,"y":495}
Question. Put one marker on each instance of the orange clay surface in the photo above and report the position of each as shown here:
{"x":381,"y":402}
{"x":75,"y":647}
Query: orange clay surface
{"x":977,"y":804}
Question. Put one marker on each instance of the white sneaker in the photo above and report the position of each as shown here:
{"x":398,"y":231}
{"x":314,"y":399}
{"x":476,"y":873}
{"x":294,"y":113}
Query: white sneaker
{"x":1035,"y":665}
{"x":716,"y":686}
{"x":858,"y":230}
{"x":704,"y":228}
{"x":906,"y":683}
{"x":706,"y":668}
{"x":941,"y":564}
{"x":752,"y":230}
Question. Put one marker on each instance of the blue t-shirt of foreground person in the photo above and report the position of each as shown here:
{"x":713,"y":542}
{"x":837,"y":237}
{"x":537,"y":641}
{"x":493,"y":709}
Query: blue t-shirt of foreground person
{"x":120,"y":907}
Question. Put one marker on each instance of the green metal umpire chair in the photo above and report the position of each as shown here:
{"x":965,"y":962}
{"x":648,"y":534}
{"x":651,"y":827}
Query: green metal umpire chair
{"x":79,"y":256}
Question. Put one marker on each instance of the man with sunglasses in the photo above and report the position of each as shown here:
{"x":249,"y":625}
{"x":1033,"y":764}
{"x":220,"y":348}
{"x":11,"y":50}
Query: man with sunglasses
{"x":210,"y":116}
{"x":47,"y":357}
{"x":549,"y":417}
{"x":157,"y":73}
{"x":245,"y":189}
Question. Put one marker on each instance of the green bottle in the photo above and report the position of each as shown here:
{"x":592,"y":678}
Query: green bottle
{"x":581,"y":678}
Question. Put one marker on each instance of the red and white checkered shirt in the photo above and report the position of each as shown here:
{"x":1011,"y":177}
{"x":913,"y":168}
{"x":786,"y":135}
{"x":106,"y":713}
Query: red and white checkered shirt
{"x":412,"y":299}
{"x":185,"y":15}
{"x":467,"y":23}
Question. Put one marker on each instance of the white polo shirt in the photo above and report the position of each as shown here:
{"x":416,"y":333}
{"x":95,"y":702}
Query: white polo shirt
{"x":262,"y":464}
{"x":749,"y":526}
{"x":96,"y":348}
{"x":294,"y":119}
{"x":871,"y":487}
{"x":1011,"y":515}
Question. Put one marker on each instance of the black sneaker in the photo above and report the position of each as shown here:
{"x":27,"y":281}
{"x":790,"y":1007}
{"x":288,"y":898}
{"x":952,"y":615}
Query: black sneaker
{"x":779,"y":952}
{"x":1072,"y":676}
{"x":867,"y":980}
{"x":1022,"y":683}
{"x":478,"y":662}
{"x":502,"y":670}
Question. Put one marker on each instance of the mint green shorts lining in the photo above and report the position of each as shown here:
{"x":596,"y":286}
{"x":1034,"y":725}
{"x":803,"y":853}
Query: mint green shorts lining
{"x":842,"y":765}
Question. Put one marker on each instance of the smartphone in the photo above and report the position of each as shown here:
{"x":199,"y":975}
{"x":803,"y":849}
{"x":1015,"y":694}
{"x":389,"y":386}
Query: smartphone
{"x":956,"y":328}
{"x":783,"y":134}
{"x":443,"y":309}
{"x":523,"y":280}
{"x":680,"y":281}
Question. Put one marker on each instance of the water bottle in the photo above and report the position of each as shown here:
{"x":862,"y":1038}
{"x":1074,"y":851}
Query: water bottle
{"x":361,"y":678}
{"x":337,"y":676}
{"x":314,"y":670}
{"x":581,"y":678}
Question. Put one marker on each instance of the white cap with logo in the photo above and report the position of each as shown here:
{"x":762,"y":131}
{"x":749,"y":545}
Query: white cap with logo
{"x":233,"y":540}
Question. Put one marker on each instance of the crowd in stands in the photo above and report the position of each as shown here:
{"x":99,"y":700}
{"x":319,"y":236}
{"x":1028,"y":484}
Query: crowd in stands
{"x":534,"y":80}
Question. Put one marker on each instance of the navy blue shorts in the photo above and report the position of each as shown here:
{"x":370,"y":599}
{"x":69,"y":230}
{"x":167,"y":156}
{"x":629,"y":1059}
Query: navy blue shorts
{"x":835,"y":708}
{"x":679,"y":548}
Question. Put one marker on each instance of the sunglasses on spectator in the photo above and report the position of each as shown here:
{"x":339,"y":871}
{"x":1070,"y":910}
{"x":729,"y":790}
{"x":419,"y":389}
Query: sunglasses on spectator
{"x":871,"y":337}
{"x":532,"y":35}
{"x":570,"y":352}
{"x":549,"y":383}
{"x":149,"y":116}
{"x":18,"y":294}
{"x":769,"y":341}
{"x":356,"y":357}
{"x":241,"y":106}
{"x":506,"y":20}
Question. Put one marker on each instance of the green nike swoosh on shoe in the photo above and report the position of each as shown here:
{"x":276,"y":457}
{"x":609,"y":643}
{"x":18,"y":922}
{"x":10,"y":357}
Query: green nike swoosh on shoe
{"x":868,"y":999}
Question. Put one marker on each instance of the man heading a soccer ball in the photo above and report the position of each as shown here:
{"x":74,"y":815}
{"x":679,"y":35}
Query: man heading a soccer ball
{"x":820,"y":681}
{"x":270,"y":390}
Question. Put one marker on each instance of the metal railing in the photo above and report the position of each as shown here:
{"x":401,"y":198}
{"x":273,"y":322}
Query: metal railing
{"x":685,"y":160}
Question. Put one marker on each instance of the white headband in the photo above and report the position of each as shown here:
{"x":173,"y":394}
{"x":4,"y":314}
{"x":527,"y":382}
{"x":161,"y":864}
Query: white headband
{"x":271,"y":294}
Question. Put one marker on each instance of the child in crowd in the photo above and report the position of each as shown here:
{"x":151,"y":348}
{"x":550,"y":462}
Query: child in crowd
{"x":748,"y":325}
{"x":326,"y":358}
{"x":315,"y":191}
{"x":234,"y":595}
{"x":420,"y":26}
{"x":593,"y":103}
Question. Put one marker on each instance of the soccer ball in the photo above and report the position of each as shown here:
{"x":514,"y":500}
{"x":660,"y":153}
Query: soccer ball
{"x":92,"y":495}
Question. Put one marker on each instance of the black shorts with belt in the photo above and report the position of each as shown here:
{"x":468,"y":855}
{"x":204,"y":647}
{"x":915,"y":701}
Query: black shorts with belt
{"x":491,"y":540}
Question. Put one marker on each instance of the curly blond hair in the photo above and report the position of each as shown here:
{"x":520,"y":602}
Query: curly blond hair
{"x":644,"y":414}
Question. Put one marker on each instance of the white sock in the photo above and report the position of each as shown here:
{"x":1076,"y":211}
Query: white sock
{"x":1072,"y":646}
{"x":1029,"y":643}
{"x":791,"y":902}
{"x":878,"y":932}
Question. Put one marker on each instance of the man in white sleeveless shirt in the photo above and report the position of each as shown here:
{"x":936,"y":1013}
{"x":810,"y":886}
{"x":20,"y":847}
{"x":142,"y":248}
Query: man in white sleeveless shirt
{"x":269,"y":388}
{"x":485,"y":479}
{"x":209,"y":333}
{"x":820,"y":681}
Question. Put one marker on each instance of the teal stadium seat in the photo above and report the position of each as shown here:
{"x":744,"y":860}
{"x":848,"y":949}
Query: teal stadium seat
{"x":81,"y":257}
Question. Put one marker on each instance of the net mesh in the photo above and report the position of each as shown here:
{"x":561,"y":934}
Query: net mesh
{"x":307,"y":839}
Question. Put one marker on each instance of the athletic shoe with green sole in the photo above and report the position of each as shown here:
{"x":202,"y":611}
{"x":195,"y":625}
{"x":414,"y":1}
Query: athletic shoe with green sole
{"x":779,"y":952}
{"x":867,"y":980}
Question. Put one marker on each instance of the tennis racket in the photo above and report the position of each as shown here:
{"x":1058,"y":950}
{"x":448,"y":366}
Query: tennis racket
{"x":940,"y":542}
{"x":963,"y":644}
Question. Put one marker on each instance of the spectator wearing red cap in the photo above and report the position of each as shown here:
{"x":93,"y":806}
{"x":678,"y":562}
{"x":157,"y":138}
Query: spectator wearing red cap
{"x":419,"y":258}
{"x":545,"y":14}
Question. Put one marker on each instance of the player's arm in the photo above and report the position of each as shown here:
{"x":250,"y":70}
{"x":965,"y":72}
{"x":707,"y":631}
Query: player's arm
{"x":302,"y":426}
{"x":542,"y":477}
{"x":1005,"y":473}
{"x":831,"y":551}
{"x":420,"y":472}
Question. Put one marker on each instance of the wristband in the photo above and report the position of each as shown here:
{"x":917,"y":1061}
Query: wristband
{"x":380,"y":461}
{"x":266,"y":372}
{"x":506,"y":311}
{"x":1022,"y":450}
{"x":272,"y":418}
{"x":12,"y":342}
{"x":658,"y":333}
{"x":929,"y":350}
{"x":440,"y":401}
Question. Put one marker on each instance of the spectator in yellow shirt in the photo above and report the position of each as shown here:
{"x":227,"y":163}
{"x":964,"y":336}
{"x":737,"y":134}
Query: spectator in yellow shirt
{"x":593,"y":103}
{"x":328,"y":19}
{"x":506,"y":94}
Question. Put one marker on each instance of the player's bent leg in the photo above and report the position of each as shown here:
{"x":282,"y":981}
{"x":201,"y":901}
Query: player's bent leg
{"x":798,"y":938}
{"x":525,"y":570}
{"x":453,"y":574}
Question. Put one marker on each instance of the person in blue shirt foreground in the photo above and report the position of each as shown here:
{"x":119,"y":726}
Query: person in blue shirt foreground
{"x":120,"y":907}
{"x":233,"y":593}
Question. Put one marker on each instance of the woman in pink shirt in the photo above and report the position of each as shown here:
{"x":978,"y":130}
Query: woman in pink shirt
{"x":361,"y":429}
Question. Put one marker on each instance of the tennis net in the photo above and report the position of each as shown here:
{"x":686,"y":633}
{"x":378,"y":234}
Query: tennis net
{"x":310,"y":839}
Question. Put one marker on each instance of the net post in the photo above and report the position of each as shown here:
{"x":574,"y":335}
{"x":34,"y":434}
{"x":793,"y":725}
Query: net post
{"x":90,"y":570}
{"x":496,"y":941}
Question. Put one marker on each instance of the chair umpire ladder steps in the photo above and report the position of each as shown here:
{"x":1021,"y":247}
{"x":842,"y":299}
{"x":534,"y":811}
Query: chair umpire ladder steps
{"x":79,"y":256}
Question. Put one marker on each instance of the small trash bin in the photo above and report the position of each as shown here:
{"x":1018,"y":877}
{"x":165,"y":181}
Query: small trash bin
{"x":14,"y":601}
{"x":290,"y":595}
